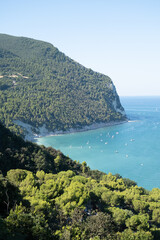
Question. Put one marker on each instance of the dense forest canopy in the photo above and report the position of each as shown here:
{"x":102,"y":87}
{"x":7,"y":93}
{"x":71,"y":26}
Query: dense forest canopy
{"x":46,"y":195}
{"x":40,"y":85}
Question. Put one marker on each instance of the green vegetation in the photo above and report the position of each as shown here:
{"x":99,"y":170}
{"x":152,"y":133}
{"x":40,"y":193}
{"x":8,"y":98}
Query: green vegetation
{"x":16,"y":153}
{"x":45,"y":195}
{"x":40,"y":85}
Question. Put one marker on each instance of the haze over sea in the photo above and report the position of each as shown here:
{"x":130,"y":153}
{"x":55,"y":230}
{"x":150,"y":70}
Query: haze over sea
{"x":131,"y":149}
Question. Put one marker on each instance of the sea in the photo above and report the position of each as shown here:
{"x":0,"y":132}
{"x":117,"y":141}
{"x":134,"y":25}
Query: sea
{"x":131,"y":149}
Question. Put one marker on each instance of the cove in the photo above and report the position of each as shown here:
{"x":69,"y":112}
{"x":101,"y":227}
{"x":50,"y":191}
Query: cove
{"x":131,"y":149}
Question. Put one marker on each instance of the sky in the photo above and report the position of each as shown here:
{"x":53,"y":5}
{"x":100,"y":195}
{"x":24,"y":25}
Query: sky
{"x":119,"y":38}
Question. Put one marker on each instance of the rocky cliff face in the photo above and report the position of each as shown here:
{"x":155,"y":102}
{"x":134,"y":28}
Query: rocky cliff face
{"x":41,"y":85}
{"x":116,"y":102}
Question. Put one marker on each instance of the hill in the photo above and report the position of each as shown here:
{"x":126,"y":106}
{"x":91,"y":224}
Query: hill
{"x":39,"y":200}
{"x":40,"y":86}
{"x":17,"y":153}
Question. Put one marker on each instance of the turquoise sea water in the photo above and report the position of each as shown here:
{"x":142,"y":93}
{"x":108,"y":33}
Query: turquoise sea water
{"x":131,"y":149}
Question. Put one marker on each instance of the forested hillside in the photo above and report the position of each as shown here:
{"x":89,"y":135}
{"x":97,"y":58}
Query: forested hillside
{"x":40,"y":85}
{"x":45,"y":195}
{"x":17,"y":153}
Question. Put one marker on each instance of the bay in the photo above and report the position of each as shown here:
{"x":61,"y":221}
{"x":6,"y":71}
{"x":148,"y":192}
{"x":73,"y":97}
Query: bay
{"x":131,"y":149}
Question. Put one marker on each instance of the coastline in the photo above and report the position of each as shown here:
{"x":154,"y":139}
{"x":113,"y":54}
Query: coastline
{"x":43,"y":131}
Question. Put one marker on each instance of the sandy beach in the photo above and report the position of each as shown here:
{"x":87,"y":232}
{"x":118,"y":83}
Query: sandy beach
{"x":32,"y":135}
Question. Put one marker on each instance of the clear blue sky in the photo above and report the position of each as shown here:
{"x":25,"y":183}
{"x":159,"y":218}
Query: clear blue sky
{"x":120,"y":38}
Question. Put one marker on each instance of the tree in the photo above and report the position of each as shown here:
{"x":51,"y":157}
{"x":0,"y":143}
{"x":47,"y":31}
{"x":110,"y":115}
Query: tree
{"x":99,"y":225}
{"x":128,"y":234}
{"x":156,"y":215}
{"x":138,"y":222}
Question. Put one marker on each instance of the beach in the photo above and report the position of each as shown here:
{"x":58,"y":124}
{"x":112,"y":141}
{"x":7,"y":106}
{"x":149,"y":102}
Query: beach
{"x":32,"y":133}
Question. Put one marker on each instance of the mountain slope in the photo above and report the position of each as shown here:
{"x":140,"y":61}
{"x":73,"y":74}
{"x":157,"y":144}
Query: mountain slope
{"x":40,"y":85}
{"x":17,"y":153}
{"x":42,"y":201}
